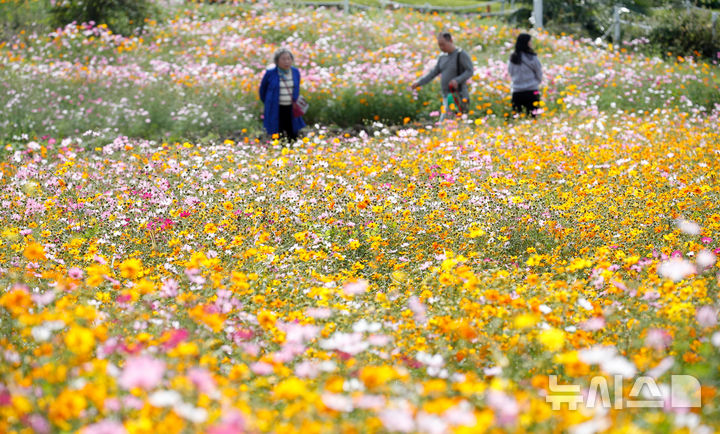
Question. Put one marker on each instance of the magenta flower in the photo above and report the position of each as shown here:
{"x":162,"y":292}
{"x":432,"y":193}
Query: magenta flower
{"x":176,"y":336}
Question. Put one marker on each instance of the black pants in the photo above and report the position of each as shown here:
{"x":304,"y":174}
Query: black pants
{"x":525,"y":100}
{"x":286,"y":129}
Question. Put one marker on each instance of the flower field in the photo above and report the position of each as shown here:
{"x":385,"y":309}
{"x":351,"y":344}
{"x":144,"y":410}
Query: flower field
{"x":196,"y":74}
{"x":433,"y":278}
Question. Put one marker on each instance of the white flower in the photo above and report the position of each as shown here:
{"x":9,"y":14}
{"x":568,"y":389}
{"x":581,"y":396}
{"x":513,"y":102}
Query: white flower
{"x":661,"y":368}
{"x":716,"y":339}
{"x":164,"y":398}
{"x":585,"y":304}
{"x":597,"y":354}
{"x":689,"y":227}
{"x":191,"y":413}
{"x":705,"y":259}
{"x":337,"y":402}
{"x":676,"y":269}
{"x":619,"y":365}
{"x":591,"y":426}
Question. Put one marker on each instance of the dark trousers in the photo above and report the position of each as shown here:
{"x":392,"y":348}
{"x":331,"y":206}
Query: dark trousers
{"x":286,"y":128}
{"x":525,"y":100}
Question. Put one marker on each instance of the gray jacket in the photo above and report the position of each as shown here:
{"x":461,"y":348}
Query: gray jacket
{"x":447,"y":66}
{"x":527,"y":75}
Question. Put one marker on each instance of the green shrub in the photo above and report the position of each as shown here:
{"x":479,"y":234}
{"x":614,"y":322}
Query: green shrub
{"x":19,"y":15}
{"x":125,"y":17}
{"x":688,"y":33}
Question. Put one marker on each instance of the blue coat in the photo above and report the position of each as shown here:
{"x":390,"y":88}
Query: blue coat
{"x":270,"y":96}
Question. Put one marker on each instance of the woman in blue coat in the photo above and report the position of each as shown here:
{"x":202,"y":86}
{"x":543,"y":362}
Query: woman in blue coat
{"x":279,"y":88}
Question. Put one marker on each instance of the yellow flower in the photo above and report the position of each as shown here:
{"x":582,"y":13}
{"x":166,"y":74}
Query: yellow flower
{"x":266,"y":319}
{"x":130,"y":268}
{"x":10,"y":234}
{"x":290,"y":388}
{"x":376,"y":376}
{"x":145,"y":287}
{"x":80,"y":340}
{"x":552,"y":339}
{"x":96,"y":274}
{"x":525,"y":320}
{"x":34,"y":252}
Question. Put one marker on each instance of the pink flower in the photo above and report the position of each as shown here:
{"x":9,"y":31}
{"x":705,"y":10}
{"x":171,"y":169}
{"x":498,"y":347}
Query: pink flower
{"x":355,"y":288}
{"x":593,"y":324}
{"x":232,"y":423}
{"x":76,"y":273}
{"x":261,"y":368}
{"x":397,"y":420}
{"x":143,"y":371}
{"x":505,"y":407}
{"x":707,"y":316}
{"x":318,"y":312}
{"x":39,"y":424}
{"x":658,"y":339}
{"x":104,"y":427}
{"x":374,"y":402}
{"x":202,"y":379}
{"x":307,"y":370}
{"x":176,"y":336}
{"x":418,"y":309}
{"x":169,"y":288}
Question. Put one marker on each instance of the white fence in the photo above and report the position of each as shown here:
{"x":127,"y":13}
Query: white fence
{"x":481,"y":8}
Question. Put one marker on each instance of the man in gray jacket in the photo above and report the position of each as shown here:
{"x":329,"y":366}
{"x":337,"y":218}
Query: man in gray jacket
{"x":456,"y":68}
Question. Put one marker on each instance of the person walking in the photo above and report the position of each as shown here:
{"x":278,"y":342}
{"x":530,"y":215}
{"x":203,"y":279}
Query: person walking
{"x":454,"y":67}
{"x":280,"y":87}
{"x":526,"y":72}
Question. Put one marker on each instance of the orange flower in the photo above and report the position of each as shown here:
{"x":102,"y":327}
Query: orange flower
{"x":266,"y":319}
{"x":375,"y":376}
{"x":16,"y":301}
{"x":34,"y":252}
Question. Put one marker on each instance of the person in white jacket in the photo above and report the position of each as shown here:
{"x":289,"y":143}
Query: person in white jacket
{"x":526,"y":72}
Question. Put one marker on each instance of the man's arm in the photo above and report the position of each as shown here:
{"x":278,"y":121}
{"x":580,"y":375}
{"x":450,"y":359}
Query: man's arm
{"x":427,"y":78}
